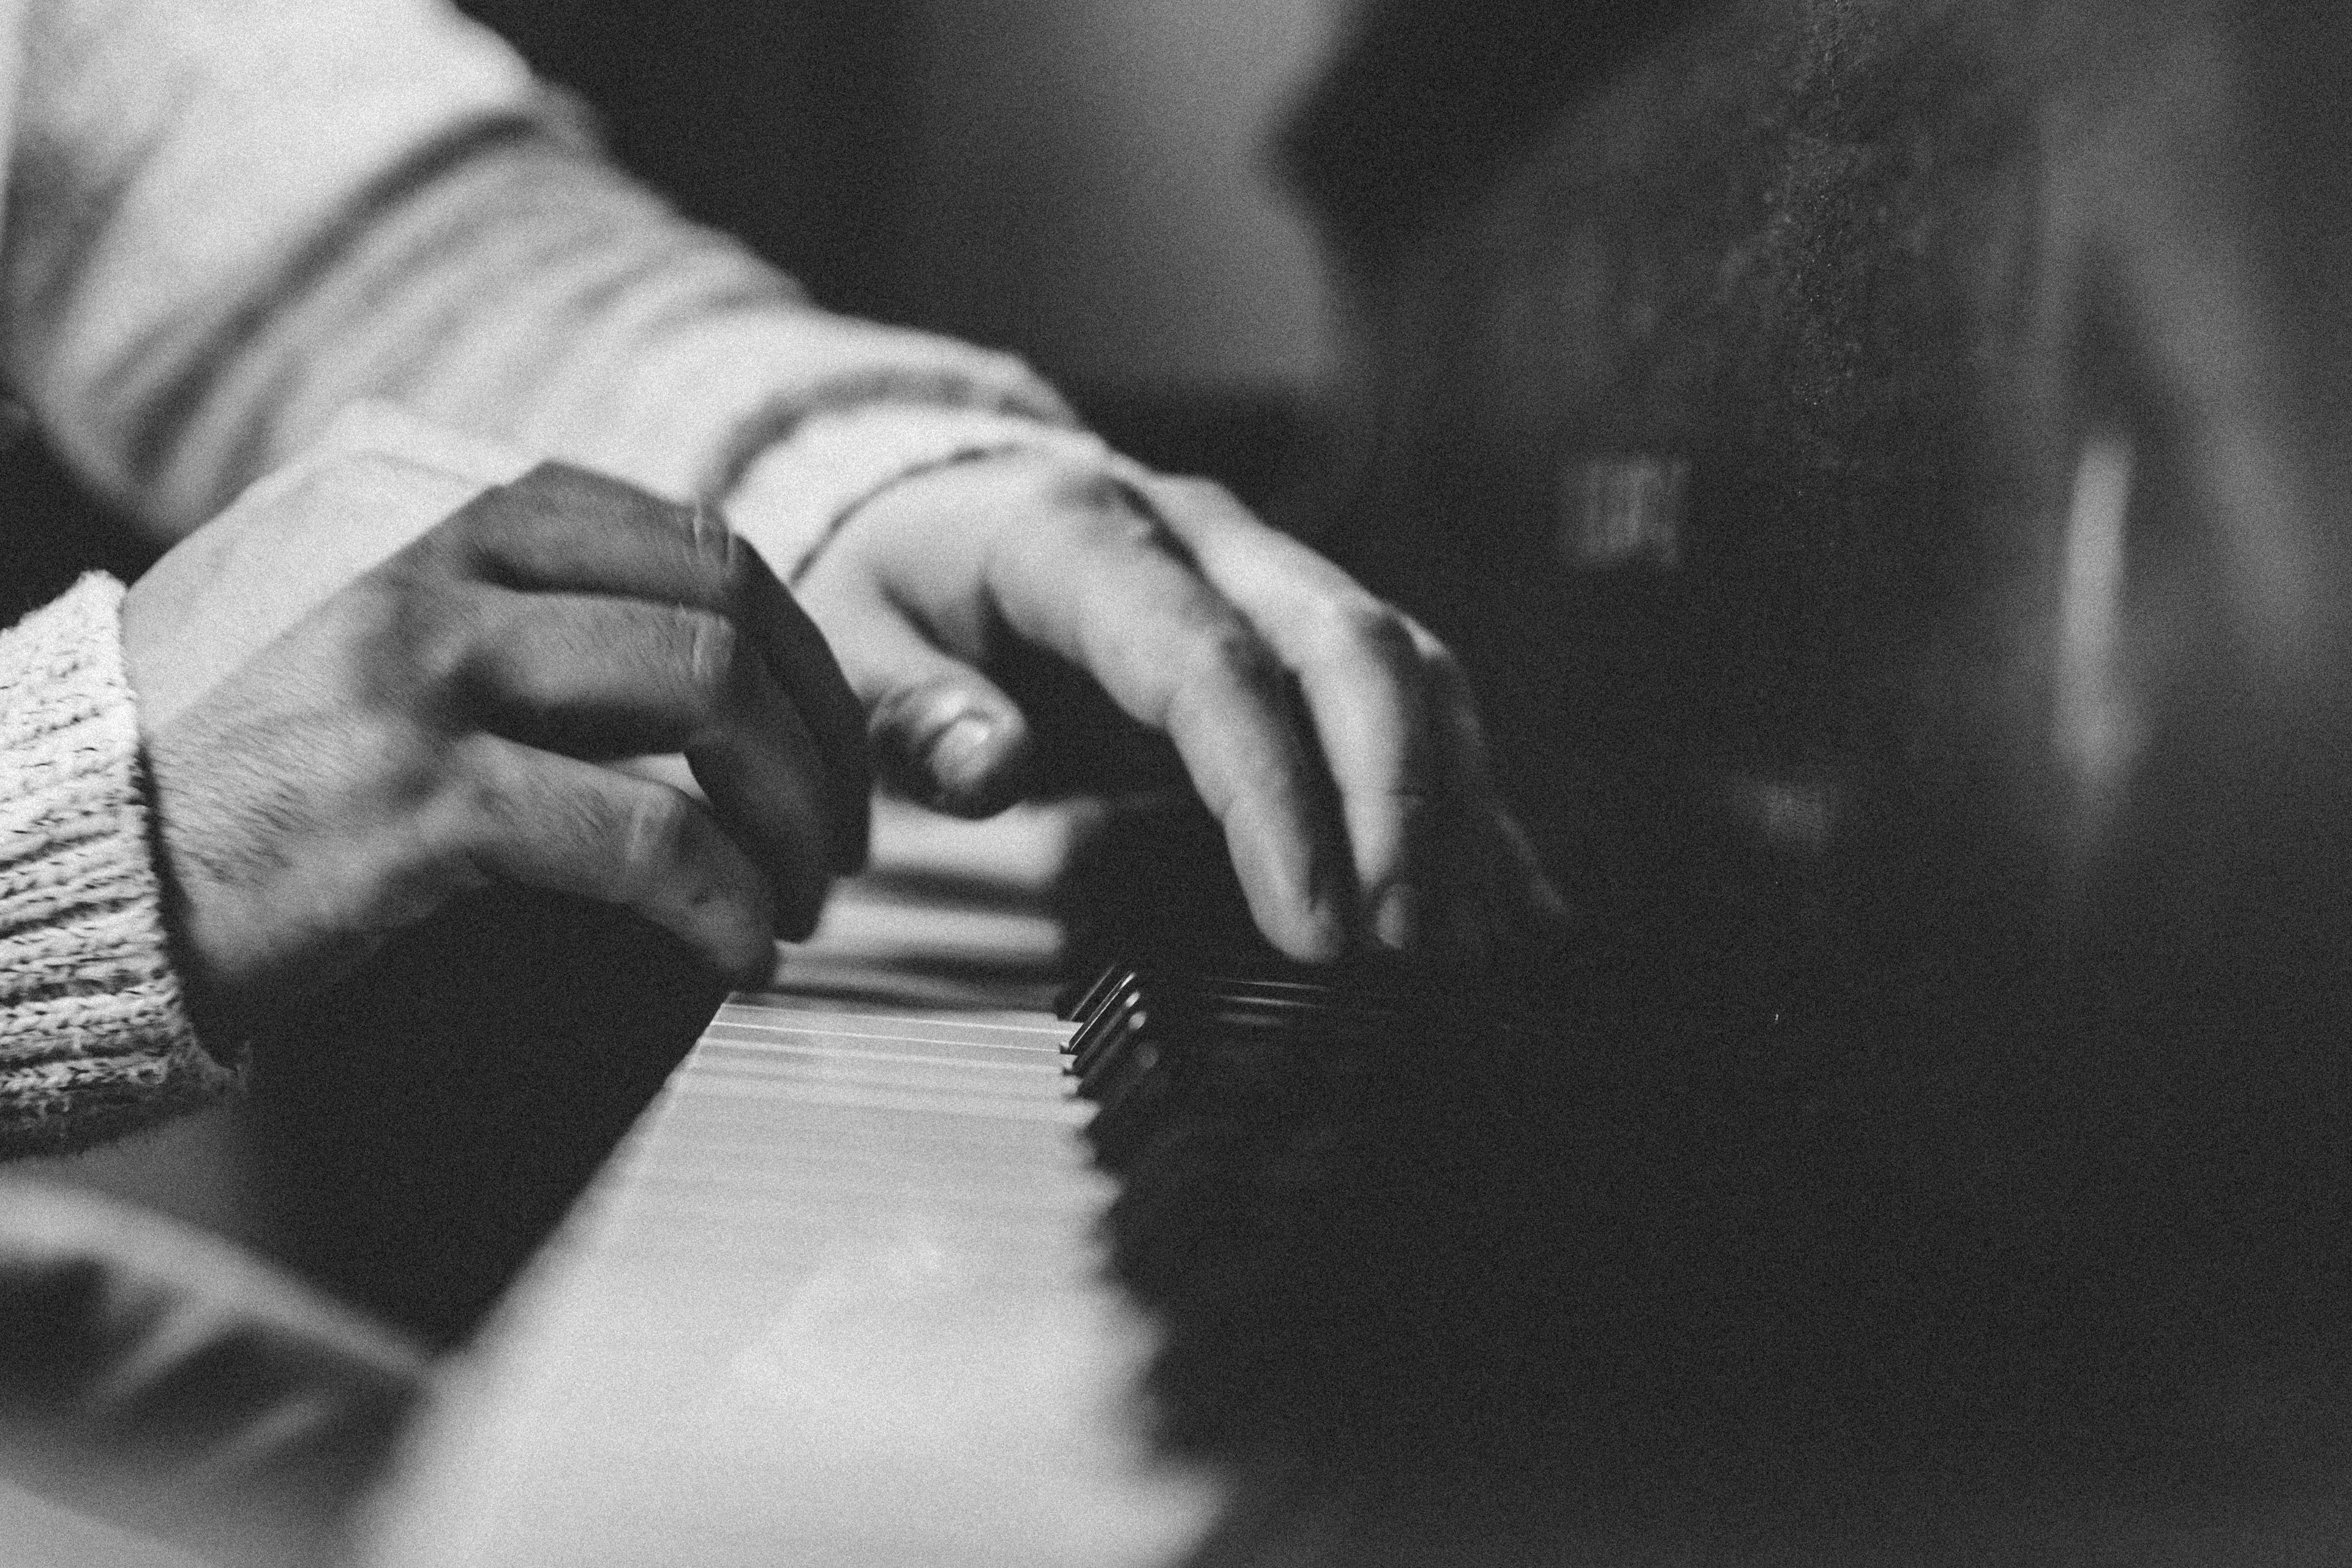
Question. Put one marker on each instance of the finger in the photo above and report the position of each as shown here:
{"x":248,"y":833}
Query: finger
{"x":601,"y":678}
{"x":1392,"y":715}
{"x":554,"y":822}
{"x":941,"y":732}
{"x":564,"y":529}
{"x":1543,"y":917}
{"x":1508,"y":899}
{"x":596,"y":679}
{"x":802,"y":666}
{"x":775,"y":804}
{"x":1098,"y":590}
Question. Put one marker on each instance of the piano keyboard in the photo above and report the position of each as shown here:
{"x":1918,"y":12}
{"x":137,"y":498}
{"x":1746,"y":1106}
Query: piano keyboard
{"x":902,"y":1269}
{"x":838,"y":1300}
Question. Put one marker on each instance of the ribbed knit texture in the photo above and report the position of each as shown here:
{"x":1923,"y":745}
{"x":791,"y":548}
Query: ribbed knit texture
{"x":94,"y":1039}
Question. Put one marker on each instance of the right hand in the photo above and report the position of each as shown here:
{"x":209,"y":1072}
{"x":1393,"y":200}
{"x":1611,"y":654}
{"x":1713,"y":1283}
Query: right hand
{"x":435,"y":723}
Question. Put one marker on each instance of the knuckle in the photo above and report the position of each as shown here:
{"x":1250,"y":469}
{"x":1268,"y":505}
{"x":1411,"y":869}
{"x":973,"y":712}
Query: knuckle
{"x":398,"y":635}
{"x":1230,"y":655}
{"x":1343,"y":627}
{"x":432,"y":646}
{"x":409,"y":765}
{"x":1065,"y":482}
{"x":480,"y":792}
{"x":1222,"y":660}
{"x":1085,"y":488}
{"x":1445,"y":668}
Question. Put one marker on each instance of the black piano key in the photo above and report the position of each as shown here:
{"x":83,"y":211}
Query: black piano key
{"x":1079,"y":1002}
{"x":1105,"y":1022}
{"x":1116,"y":1071}
{"x":1107,"y":1043}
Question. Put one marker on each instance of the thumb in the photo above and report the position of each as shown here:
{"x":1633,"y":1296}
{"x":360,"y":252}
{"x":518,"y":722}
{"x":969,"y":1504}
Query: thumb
{"x":941,"y":732}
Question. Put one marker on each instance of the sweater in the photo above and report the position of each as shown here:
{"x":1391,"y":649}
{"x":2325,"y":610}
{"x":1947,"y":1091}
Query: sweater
{"x":229,"y":220}
{"x":93,"y":1037}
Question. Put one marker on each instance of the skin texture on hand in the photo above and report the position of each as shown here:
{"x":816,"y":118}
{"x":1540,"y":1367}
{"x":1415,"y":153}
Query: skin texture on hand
{"x":1333,"y":738}
{"x":330,"y":767}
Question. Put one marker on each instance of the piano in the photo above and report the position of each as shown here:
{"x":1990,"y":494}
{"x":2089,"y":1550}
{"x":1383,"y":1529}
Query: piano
{"x":900,"y":1266}
{"x":1882,"y":465}
{"x":839,"y":1296}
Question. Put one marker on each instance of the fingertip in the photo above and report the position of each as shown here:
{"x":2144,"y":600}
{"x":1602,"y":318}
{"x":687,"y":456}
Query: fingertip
{"x":957,"y":753}
{"x":736,"y":944}
{"x":736,"y":928}
{"x":1396,"y":917}
{"x":1301,"y":891}
{"x":851,"y":837}
{"x":1312,"y":928}
{"x":798,"y":912}
{"x":1318,"y":939}
{"x":963,"y":759}
{"x":754,"y":967}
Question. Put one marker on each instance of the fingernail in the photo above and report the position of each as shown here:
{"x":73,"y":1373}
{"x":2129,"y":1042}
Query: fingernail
{"x":1397,"y":922}
{"x":958,"y":754}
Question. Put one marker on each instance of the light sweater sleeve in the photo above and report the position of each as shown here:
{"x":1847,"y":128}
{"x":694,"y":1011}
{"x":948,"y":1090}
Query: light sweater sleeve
{"x":228,"y":219}
{"x":94,"y":1040}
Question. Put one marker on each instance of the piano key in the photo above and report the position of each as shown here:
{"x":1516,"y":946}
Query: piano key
{"x":1108,"y":1024}
{"x":1079,"y":1005}
{"x":838,"y":1298}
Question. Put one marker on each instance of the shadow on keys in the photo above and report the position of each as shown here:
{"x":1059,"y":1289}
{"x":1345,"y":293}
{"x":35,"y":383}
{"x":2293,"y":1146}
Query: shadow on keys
{"x":418,"y":1129}
{"x":1456,"y":1290}
{"x":1593,"y":1263}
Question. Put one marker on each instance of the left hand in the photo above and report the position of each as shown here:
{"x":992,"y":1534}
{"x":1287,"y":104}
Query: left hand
{"x":1332,"y":737}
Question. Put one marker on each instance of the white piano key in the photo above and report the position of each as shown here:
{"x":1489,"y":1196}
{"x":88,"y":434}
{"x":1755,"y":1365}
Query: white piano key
{"x":837,"y":1301}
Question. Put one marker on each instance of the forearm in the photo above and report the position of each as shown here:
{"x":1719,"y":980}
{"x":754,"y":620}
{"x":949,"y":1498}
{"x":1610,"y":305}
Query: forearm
{"x":182,"y":322}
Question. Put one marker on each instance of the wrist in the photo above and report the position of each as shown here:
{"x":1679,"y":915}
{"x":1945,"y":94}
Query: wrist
{"x":796,"y":496}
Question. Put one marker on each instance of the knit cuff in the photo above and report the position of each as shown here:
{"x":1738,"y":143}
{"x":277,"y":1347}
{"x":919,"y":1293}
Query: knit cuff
{"x":797,"y":493}
{"x":95,"y":1040}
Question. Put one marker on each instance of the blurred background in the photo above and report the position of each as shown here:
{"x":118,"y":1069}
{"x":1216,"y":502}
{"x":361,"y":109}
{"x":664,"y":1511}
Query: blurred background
{"x":1083,"y":182}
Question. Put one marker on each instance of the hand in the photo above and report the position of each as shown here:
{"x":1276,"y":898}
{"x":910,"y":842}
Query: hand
{"x":1333,"y":738}
{"x":436,"y":722}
